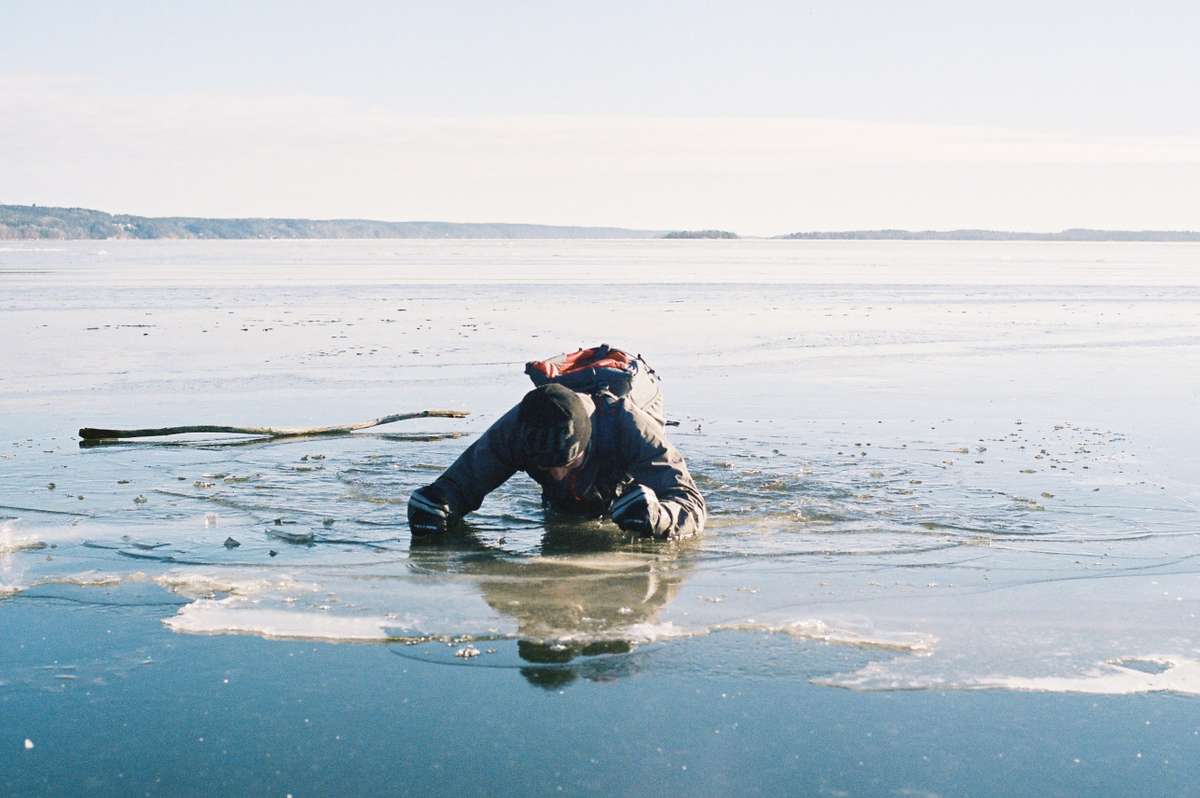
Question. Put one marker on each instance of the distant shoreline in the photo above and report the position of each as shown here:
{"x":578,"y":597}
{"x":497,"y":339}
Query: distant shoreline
{"x":41,"y":223}
{"x":1074,"y":234}
{"x":45,"y":223}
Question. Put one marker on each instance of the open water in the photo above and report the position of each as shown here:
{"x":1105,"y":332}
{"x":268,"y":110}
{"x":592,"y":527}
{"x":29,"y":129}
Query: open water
{"x":958,"y":475}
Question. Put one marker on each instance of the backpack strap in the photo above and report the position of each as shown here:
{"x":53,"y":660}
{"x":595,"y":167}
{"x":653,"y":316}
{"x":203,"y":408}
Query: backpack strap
{"x":604,"y":422}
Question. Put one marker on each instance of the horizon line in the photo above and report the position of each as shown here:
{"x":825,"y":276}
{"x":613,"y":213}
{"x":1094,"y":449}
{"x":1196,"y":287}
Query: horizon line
{"x":863,"y":233}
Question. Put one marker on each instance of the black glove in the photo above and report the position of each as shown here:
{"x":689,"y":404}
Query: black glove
{"x":638,"y":510}
{"x":428,"y":512}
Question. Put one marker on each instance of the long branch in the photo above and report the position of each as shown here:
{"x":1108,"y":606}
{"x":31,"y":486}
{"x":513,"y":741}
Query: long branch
{"x":91,"y":434}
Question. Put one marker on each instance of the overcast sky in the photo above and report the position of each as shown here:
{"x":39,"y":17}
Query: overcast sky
{"x":760,"y":117}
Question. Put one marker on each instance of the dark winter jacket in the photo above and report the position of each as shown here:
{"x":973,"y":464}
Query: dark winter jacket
{"x":627,"y":449}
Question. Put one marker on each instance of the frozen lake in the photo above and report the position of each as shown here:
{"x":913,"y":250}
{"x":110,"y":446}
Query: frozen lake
{"x":931,"y":466}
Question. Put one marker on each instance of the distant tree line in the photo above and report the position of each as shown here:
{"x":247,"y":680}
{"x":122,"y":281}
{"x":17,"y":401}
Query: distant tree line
{"x":33,"y":222}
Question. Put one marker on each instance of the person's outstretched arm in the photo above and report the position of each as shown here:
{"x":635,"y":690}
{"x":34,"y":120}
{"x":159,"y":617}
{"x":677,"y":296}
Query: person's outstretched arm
{"x":484,"y":466}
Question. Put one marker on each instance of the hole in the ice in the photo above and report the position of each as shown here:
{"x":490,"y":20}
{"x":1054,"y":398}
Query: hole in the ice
{"x":1144,"y":665}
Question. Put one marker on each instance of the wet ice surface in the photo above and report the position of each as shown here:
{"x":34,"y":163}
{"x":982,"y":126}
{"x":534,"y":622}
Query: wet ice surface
{"x":974,"y":460}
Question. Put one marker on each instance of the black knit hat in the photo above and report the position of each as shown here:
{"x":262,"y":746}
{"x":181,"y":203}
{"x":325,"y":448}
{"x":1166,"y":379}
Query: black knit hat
{"x":555,"y":428}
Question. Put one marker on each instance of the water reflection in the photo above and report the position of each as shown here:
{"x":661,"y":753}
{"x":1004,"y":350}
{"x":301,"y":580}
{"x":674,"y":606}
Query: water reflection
{"x":581,"y":605}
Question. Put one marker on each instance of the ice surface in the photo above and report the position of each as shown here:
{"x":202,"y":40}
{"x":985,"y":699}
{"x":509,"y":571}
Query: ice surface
{"x":976,"y":460}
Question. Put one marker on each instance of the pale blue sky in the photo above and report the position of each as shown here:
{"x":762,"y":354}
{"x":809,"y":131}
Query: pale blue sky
{"x":1091,"y":72}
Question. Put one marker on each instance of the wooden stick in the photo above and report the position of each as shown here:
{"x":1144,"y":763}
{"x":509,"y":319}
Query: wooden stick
{"x":91,"y":434}
{"x":259,"y":440}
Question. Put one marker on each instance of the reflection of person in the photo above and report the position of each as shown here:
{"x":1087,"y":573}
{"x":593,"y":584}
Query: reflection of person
{"x":594,"y":455}
{"x":575,"y":611}
{"x":589,"y":596}
{"x":569,"y":607}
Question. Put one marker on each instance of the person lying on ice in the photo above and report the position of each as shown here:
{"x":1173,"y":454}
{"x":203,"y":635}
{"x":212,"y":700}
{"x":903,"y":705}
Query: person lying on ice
{"x":594,"y":454}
